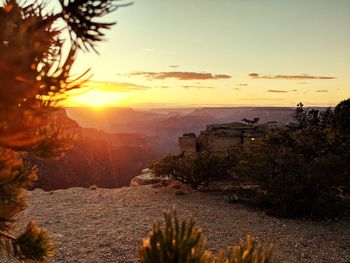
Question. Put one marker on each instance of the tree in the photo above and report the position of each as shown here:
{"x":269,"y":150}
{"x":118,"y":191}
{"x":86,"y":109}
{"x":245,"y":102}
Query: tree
{"x":303,"y":170}
{"x":251,"y":122}
{"x":342,"y":117}
{"x":35,"y":74}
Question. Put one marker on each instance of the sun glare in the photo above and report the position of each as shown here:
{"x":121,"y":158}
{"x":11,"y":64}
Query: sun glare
{"x":97,"y":98}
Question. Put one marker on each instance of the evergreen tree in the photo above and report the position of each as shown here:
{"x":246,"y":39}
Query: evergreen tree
{"x":303,"y":170}
{"x":342,"y":117}
{"x":35,"y":74}
{"x":252,"y":121}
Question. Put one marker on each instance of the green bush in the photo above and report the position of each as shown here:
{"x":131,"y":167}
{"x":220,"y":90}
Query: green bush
{"x":302,"y":171}
{"x":165,"y":166}
{"x":180,"y":241}
{"x":196,"y":169}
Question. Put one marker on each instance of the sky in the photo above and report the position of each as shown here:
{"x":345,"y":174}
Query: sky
{"x":166,"y":53}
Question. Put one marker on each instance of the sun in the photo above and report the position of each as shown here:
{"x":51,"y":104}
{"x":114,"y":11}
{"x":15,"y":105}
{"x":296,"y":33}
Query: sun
{"x":96,"y":98}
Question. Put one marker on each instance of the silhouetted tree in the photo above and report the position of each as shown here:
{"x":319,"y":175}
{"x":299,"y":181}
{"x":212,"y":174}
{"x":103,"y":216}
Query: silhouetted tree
{"x":251,"y":122}
{"x":342,"y":117}
{"x":303,"y":170}
{"x":34,"y":76}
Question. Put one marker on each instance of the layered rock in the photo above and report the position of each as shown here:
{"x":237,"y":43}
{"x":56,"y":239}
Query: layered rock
{"x":224,"y":137}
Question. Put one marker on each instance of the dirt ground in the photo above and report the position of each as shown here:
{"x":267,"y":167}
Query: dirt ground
{"x":107,"y":225}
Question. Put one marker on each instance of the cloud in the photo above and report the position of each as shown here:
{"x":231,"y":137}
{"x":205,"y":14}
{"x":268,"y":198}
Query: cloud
{"x":289,"y":77}
{"x":295,"y":90}
{"x":302,"y":83}
{"x":197,"y":87}
{"x":116,"y":86}
{"x":277,"y":91}
{"x":243,"y":84}
{"x":236,"y":88}
{"x":321,"y":90}
{"x":253,"y":75}
{"x":174,"y":66}
{"x":180,"y":75}
{"x":259,"y":99}
{"x":222,"y":76}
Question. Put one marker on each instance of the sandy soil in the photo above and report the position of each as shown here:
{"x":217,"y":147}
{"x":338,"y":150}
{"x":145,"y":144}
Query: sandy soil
{"x":107,"y":225}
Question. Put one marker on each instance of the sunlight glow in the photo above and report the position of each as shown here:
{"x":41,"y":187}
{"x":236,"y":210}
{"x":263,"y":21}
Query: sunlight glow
{"x":97,"y":98}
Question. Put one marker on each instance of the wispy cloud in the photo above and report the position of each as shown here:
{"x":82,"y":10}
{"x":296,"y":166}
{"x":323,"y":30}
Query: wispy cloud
{"x":259,"y":99}
{"x":116,"y":86}
{"x":236,"y":88}
{"x":149,"y":50}
{"x":243,"y":84}
{"x":289,"y":77}
{"x":197,"y":87}
{"x":174,"y":66}
{"x":277,"y":91}
{"x":321,"y":90}
{"x":180,"y":75}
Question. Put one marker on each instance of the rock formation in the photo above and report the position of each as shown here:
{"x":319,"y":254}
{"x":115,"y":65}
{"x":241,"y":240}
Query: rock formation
{"x":222,"y":137}
{"x":148,"y":177}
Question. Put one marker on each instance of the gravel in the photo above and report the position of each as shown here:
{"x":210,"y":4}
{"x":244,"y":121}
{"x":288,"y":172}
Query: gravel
{"x":107,"y":225}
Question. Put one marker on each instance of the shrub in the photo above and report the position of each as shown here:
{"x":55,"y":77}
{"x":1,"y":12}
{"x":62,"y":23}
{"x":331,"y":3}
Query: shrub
{"x":176,"y":242}
{"x":180,"y":241}
{"x":248,"y":252}
{"x":196,"y":169}
{"x":165,"y":166}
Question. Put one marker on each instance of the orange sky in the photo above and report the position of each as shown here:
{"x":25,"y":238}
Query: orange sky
{"x":227,"y":53}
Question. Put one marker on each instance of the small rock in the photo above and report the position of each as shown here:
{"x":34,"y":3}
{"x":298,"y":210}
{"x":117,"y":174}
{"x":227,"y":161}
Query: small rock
{"x":93,"y":187}
{"x":148,"y":178}
{"x":146,"y":171}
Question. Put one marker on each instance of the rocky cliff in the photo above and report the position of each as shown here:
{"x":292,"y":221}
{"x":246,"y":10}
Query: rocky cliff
{"x":222,"y":137}
{"x":97,"y":157}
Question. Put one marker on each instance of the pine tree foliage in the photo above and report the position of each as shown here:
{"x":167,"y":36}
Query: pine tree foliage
{"x":33,"y":244}
{"x":35,"y":74}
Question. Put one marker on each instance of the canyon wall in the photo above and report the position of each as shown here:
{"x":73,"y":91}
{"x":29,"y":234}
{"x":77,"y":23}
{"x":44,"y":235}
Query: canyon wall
{"x":224,"y":137}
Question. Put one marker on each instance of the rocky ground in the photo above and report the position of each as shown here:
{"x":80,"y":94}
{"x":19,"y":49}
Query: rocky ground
{"x":107,"y":225}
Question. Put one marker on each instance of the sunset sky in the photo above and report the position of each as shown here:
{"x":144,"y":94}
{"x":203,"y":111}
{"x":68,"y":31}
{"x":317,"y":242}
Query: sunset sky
{"x":166,"y":53}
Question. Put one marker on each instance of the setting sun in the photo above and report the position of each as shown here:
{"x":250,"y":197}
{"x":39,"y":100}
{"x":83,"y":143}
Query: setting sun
{"x":96,"y":98}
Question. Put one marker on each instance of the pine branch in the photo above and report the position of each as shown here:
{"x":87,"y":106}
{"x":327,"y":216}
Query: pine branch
{"x":7,"y":235}
{"x":80,"y":16}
